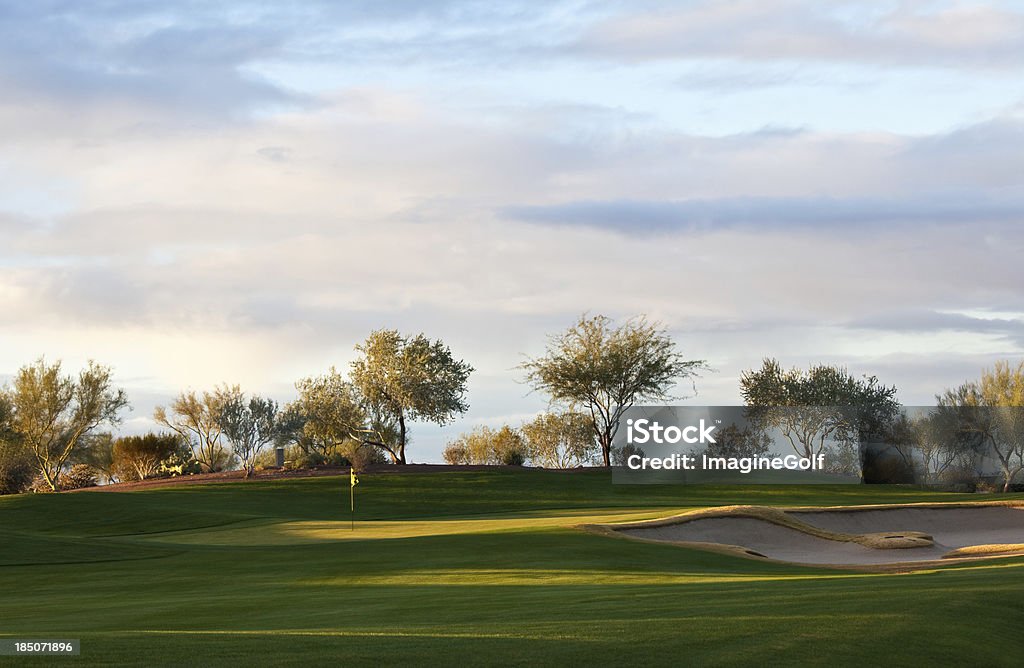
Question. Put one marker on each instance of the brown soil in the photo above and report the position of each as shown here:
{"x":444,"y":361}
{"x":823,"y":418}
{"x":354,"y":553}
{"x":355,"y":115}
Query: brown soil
{"x":284,"y":474}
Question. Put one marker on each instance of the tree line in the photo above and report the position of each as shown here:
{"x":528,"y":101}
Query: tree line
{"x":52,"y":424}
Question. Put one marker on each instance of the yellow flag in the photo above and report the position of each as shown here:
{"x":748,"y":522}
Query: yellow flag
{"x":352,"y":477}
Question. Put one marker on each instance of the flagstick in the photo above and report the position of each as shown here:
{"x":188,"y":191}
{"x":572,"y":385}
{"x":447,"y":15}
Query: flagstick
{"x":352,"y":497}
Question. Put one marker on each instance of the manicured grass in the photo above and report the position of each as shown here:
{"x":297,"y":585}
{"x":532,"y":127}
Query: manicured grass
{"x":469,"y":568}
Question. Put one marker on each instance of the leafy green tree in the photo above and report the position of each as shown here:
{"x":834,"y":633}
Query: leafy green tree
{"x":820,"y":405}
{"x":604,"y":370}
{"x":249,"y":425}
{"x":197,"y":420}
{"x":53,"y":412}
{"x":403,"y":379}
{"x":561,"y":440}
{"x":990,"y":412}
{"x":139,"y":457}
{"x":327,"y":414}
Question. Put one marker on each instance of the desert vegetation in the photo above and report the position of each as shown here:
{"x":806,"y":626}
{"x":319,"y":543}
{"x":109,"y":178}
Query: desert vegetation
{"x":57,"y":430}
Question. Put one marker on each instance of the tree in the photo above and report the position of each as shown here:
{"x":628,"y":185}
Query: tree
{"x":197,"y":419}
{"x":15,"y":461}
{"x":249,"y":426}
{"x":139,"y":457}
{"x":824,"y":403}
{"x":53,"y":412}
{"x":561,"y":440}
{"x":945,"y":449}
{"x":605,"y":370}
{"x":404,"y":379}
{"x":327,"y":414}
{"x":991,"y":412}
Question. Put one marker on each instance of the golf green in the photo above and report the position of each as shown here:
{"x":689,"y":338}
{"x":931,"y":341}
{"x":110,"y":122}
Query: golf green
{"x":467,"y":567}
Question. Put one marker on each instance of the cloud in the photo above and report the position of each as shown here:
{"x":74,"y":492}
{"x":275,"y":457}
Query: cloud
{"x":961,"y":35}
{"x":918,"y":320}
{"x":628,"y":216}
{"x":175,"y":208}
{"x":64,"y":55}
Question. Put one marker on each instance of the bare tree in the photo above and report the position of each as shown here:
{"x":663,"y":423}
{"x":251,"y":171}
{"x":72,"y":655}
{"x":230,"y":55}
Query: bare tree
{"x":197,"y":419}
{"x":249,"y":426}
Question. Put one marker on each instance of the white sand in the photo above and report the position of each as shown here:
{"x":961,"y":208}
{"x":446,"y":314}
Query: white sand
{"x":951,"y":527}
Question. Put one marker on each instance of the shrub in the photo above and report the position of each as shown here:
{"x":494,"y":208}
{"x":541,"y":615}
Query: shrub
{"x":620,"y":456}
{"x":456,"y":453}
{"x":39,"y":485}
{"x":561,"y":440}
{"x":15,"y":476}
{"x":140,"y":457}
{"x":305,"y":460}
{"x":484,"y":445}
{"x":361,"y":456}
{"x":181,"y":462}
{"x":336,"y":459}
{"x":79,"y":477}
{"x":513,"y":457}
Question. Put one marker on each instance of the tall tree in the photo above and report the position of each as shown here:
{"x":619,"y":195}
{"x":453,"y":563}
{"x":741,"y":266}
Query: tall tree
{"x":197,"y":419}
{"x":405,"y":379}
{"x":604,"y":370}
{"x":820,"y":405}
{"x":249,"y":425}
{"x":991,"y":413}
{"x":53,"y":412}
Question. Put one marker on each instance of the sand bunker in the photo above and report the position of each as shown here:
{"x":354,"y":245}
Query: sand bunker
{"x":848,"y":536}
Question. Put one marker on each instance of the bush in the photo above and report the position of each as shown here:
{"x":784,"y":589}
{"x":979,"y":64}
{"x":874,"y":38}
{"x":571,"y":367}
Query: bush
{"x":140,"y":457}
{"x":484,"y":445}
{"x":39,"y":485}
{"x":305,"y":460}
{"x":361,"y":456}
{"x":179,"y":463}
{"x":15,"y":476}
{"x":620,"y":456}
{"x":456,"y":453}
{"x":79,"y":477}
{"x":513,"y":458}
{"x":16,"y":466}
{"x":561,"y":440}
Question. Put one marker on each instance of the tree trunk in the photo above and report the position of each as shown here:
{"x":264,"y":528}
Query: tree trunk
{"x":606,"y":447}
{"x":52,"y":482}
{"x":401,"y":438}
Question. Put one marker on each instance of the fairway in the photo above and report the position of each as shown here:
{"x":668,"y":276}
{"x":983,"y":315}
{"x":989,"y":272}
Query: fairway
{"x":468,"y":567}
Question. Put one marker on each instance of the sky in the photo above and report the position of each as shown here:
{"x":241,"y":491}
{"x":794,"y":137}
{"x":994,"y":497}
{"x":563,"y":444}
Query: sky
{"x":196,"y":193}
